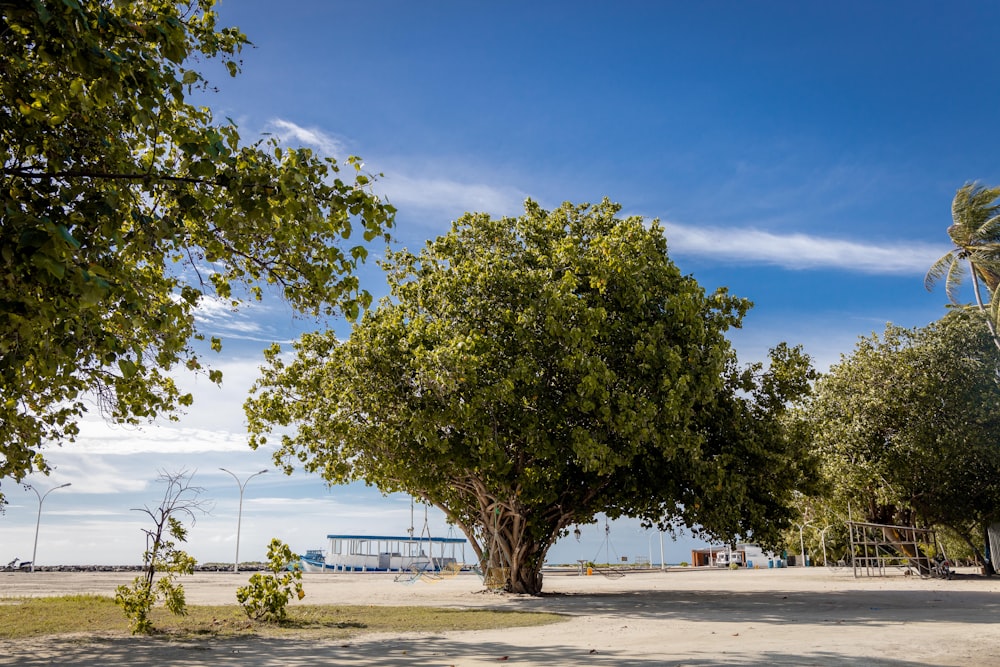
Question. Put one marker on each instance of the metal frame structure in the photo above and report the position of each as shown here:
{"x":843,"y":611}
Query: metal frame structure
{"x":876,"y":546}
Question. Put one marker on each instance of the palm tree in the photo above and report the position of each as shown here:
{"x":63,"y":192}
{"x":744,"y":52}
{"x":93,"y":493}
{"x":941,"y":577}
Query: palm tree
{"x":975,"y":231}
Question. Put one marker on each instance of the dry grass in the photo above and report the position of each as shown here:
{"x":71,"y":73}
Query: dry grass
{"x":94,"y":614}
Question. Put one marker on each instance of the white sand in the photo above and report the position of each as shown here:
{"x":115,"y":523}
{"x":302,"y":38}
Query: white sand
{"x":679,"y":617}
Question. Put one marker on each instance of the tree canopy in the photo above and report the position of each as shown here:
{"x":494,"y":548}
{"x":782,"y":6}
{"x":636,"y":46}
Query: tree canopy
{"x":908,"y":427}
{"x":124,"y":205}
{"x":528,"y":373}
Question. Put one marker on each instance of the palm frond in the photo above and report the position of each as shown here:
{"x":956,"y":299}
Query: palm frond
{"x":972,"y":212}
{"x":988,"y":232}
{"x":939,"y":269}
{"x":988,"y":272}
{"x":954,"y":279}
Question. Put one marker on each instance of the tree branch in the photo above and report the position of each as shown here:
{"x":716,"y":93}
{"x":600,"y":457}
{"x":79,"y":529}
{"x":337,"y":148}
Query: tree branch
{"x":34,"y":174}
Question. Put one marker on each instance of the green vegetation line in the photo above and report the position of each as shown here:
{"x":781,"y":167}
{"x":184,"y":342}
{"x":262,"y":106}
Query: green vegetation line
{"x":22,"y":618}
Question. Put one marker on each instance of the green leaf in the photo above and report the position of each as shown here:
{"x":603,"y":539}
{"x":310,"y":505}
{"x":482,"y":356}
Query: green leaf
{"x":127,"y":367}
{"x":52,"y":266}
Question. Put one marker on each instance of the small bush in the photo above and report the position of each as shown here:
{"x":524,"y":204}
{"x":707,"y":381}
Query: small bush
{"x":265,"y":597}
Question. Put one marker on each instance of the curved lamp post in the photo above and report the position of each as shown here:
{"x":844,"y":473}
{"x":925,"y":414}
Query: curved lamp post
{"x":822,"y":541}
{"x":802,"y":543}
{"x":662,"y":566}
{"x":239,"y":516}
{"x":38,"y":522}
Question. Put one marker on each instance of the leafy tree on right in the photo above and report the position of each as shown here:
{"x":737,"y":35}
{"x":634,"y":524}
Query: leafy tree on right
{"x":908,"y":427}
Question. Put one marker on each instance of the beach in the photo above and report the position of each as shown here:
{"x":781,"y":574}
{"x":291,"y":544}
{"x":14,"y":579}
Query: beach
{"x":679,"y":616}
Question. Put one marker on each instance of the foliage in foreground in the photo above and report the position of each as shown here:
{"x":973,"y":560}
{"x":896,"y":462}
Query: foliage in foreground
{"x":266,"y":596}
{"x":23,"y":618}
{"x":162,"y":557}
{"x":123,"y":206}
{"x":526,"y":374}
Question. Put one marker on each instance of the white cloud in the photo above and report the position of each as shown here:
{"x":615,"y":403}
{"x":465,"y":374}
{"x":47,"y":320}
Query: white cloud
{"x":418,"y":190}
{"x":449,"y":196}
{"x":219,"y":312}
{"x":219,"y":317}
{"x":291,"y":133}
{"x":90,"y":472}
{"x":801,"y":251}
{"x":99,"y":438}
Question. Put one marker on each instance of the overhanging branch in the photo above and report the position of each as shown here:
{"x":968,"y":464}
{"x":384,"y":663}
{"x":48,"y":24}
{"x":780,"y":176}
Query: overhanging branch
{"x":36,"y":175}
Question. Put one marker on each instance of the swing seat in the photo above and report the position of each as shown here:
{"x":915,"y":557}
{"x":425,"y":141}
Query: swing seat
{"x":450,"y":570}
{"x":414,"y":572}
{"x":496,"y":578}
{"x":408,"y":577}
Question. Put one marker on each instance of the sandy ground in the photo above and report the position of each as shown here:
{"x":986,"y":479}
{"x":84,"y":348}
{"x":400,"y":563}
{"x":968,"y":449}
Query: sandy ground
{"x":679,"y":617}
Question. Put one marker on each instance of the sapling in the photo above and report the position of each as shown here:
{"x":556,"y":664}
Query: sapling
{"x":162,"y":557}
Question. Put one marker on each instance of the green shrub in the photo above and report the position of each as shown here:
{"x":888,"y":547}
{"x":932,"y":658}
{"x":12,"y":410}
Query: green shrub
{"x":265,"y":597}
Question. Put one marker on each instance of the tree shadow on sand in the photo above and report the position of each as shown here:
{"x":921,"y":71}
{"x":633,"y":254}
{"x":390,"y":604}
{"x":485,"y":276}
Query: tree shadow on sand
{"x":860,"y":607}
{"x":424,"y":651}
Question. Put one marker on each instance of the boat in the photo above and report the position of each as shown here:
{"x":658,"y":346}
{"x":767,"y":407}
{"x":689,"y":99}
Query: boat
{"x":385,"y":553}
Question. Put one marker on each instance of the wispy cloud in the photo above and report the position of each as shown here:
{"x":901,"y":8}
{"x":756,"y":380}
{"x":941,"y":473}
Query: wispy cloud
{"x":98,"y":438}
{"x":448,"y":196}
{"x":427,"y":189}
{"x":313,"y":137}
{"x":801,"y":251}
{"x":218,"y":313}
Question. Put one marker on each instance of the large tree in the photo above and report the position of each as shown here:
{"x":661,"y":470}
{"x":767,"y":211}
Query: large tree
{"x":526,"y":374}
{"x":908,"y":427}
{"x":123,"y":204}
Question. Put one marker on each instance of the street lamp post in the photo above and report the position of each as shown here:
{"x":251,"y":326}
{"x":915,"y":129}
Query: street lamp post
{"x":822,"y":541}
{"x":239,"y":516}
{"x":38,"y":521}
{"x":662,"y":566}
{"x":802,"y":543}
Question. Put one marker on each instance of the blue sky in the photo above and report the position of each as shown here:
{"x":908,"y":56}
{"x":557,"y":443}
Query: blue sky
{"x":803,"y":154}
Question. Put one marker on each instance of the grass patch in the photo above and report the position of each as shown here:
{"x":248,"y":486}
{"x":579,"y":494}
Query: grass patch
{"x":21,"y":618}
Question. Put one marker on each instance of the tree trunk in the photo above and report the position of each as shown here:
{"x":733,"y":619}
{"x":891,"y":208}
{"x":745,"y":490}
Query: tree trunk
{"x":991,"y":285}
{"x":526,"y":571}
{"x":989,"y":553}
{"x":528,"y":580}
{"x":512,"y":557}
